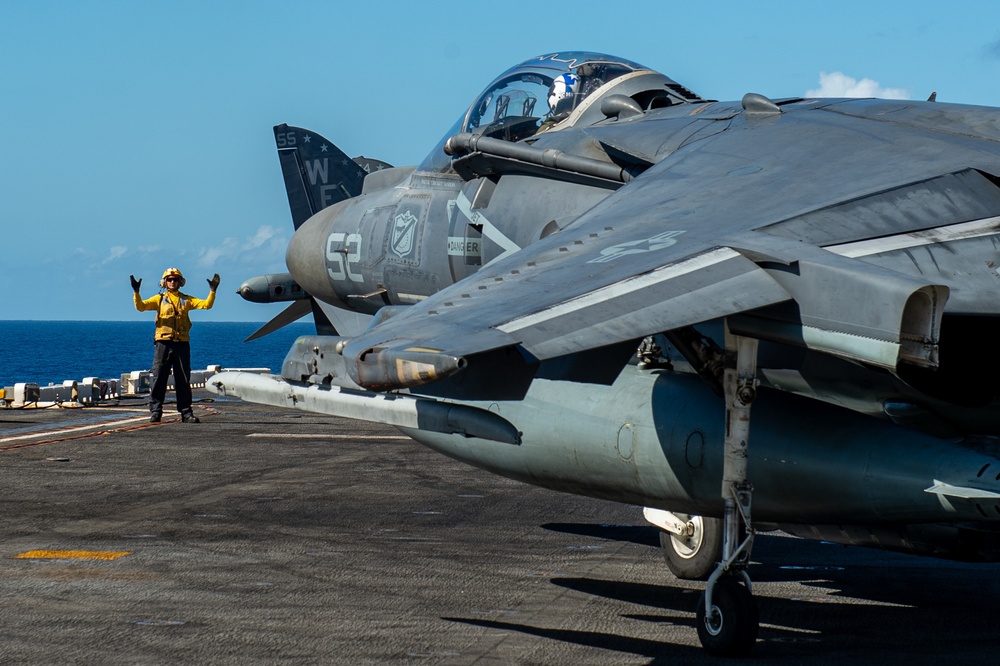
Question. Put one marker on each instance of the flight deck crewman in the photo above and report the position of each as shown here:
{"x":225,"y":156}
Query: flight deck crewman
{"x":172,"y":340}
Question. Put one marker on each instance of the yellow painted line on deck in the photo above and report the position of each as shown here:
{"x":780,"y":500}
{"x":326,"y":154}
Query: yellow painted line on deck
{"x":290,"y":435}
{"x":71,"y":555}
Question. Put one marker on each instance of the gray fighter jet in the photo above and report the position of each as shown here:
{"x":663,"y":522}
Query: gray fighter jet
{"x":601,"y":283}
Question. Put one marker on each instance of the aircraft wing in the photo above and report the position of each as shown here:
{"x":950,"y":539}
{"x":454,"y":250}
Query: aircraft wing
{"x":804,"y":209}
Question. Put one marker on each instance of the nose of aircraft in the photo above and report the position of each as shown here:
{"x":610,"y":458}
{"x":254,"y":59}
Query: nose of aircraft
{"x":306,"y":257}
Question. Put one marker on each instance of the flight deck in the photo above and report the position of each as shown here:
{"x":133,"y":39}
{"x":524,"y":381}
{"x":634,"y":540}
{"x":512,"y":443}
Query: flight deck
{"x":266,"y":536}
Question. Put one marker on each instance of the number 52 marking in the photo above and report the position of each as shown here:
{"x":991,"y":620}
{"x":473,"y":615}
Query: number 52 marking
{"x":341,"y":260}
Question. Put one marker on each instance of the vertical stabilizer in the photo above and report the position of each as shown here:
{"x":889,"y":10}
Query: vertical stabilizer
{"x":317,"y":174}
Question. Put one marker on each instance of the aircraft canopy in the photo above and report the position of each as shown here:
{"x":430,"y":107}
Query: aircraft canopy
{"x":535,"y":96}
{"x":538,"y":93}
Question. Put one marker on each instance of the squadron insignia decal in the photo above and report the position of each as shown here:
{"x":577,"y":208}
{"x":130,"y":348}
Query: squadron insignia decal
{"x":404,"y":228}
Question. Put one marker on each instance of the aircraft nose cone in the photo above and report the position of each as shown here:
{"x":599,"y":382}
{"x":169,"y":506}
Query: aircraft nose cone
{"x":306,"y":258}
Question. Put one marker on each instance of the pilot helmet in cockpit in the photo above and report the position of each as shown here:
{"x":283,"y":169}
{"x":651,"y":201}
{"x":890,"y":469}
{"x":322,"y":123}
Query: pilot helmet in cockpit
{"x":562,"y":93}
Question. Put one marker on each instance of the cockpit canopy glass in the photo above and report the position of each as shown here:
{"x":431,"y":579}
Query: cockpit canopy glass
{"x":534,"y":97}
{"x":541,"y":92}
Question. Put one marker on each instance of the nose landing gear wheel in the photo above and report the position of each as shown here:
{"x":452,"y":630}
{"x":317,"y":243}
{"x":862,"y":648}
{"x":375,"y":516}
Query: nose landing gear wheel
{"x":729,"y":628}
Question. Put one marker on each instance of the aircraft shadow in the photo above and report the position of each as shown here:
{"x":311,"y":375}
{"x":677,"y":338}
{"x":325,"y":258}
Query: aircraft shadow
{"x":639,"y":534}
{"x":791,"y":628}
{"x":875,"y":602}
{"x":659,"y":653}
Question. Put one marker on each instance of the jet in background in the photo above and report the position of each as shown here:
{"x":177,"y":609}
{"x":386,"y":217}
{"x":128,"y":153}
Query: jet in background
{"x":768,"y":313}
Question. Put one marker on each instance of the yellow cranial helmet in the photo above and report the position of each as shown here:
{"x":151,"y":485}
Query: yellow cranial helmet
{"x":172,"y":272}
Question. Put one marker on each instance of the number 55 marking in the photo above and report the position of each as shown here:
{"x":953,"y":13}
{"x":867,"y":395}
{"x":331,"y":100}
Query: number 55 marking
{"x":341,"y":260}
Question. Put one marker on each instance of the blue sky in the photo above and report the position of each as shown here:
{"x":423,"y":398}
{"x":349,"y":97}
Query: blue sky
{"x":137,"y":135}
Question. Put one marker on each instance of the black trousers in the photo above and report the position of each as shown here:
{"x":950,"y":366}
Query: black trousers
{"x":176,"y":356}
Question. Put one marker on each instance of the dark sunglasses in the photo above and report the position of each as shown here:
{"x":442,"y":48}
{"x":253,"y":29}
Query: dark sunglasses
{"x":172,"y":279}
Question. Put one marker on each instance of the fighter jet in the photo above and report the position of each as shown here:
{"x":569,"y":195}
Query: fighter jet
{"x":746,"y":315}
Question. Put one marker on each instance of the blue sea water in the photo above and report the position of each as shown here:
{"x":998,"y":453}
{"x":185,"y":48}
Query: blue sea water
{"x":47,"y":352}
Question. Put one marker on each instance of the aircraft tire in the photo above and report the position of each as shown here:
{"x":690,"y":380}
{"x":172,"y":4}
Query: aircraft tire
{"x":732,"y":629}
{"x":694,"y":557}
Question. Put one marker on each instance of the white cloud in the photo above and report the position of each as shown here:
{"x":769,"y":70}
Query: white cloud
{"x":839,"y":84}
{"x":265,"y":246}
{"x":116,"y":252}
{"x":263,"y":235}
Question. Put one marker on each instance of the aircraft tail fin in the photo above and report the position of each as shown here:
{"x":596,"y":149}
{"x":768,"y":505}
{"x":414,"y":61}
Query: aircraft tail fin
{"x":317,"y":174}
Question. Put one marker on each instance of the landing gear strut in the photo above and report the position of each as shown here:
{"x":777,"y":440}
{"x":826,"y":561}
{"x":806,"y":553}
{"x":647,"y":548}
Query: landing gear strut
{"x":727,"y":618}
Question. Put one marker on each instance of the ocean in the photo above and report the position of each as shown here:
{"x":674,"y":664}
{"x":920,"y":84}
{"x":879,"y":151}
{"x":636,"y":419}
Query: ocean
{"x":49,"y":352}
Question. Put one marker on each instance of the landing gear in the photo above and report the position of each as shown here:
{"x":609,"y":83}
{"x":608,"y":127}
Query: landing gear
{"x":727,"y":613}
{"x":694,"y":554}
{"x":729,"y":627}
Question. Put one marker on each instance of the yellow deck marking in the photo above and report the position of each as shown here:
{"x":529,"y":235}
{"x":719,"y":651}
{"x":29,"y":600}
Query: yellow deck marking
{"x":72,"y":555}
